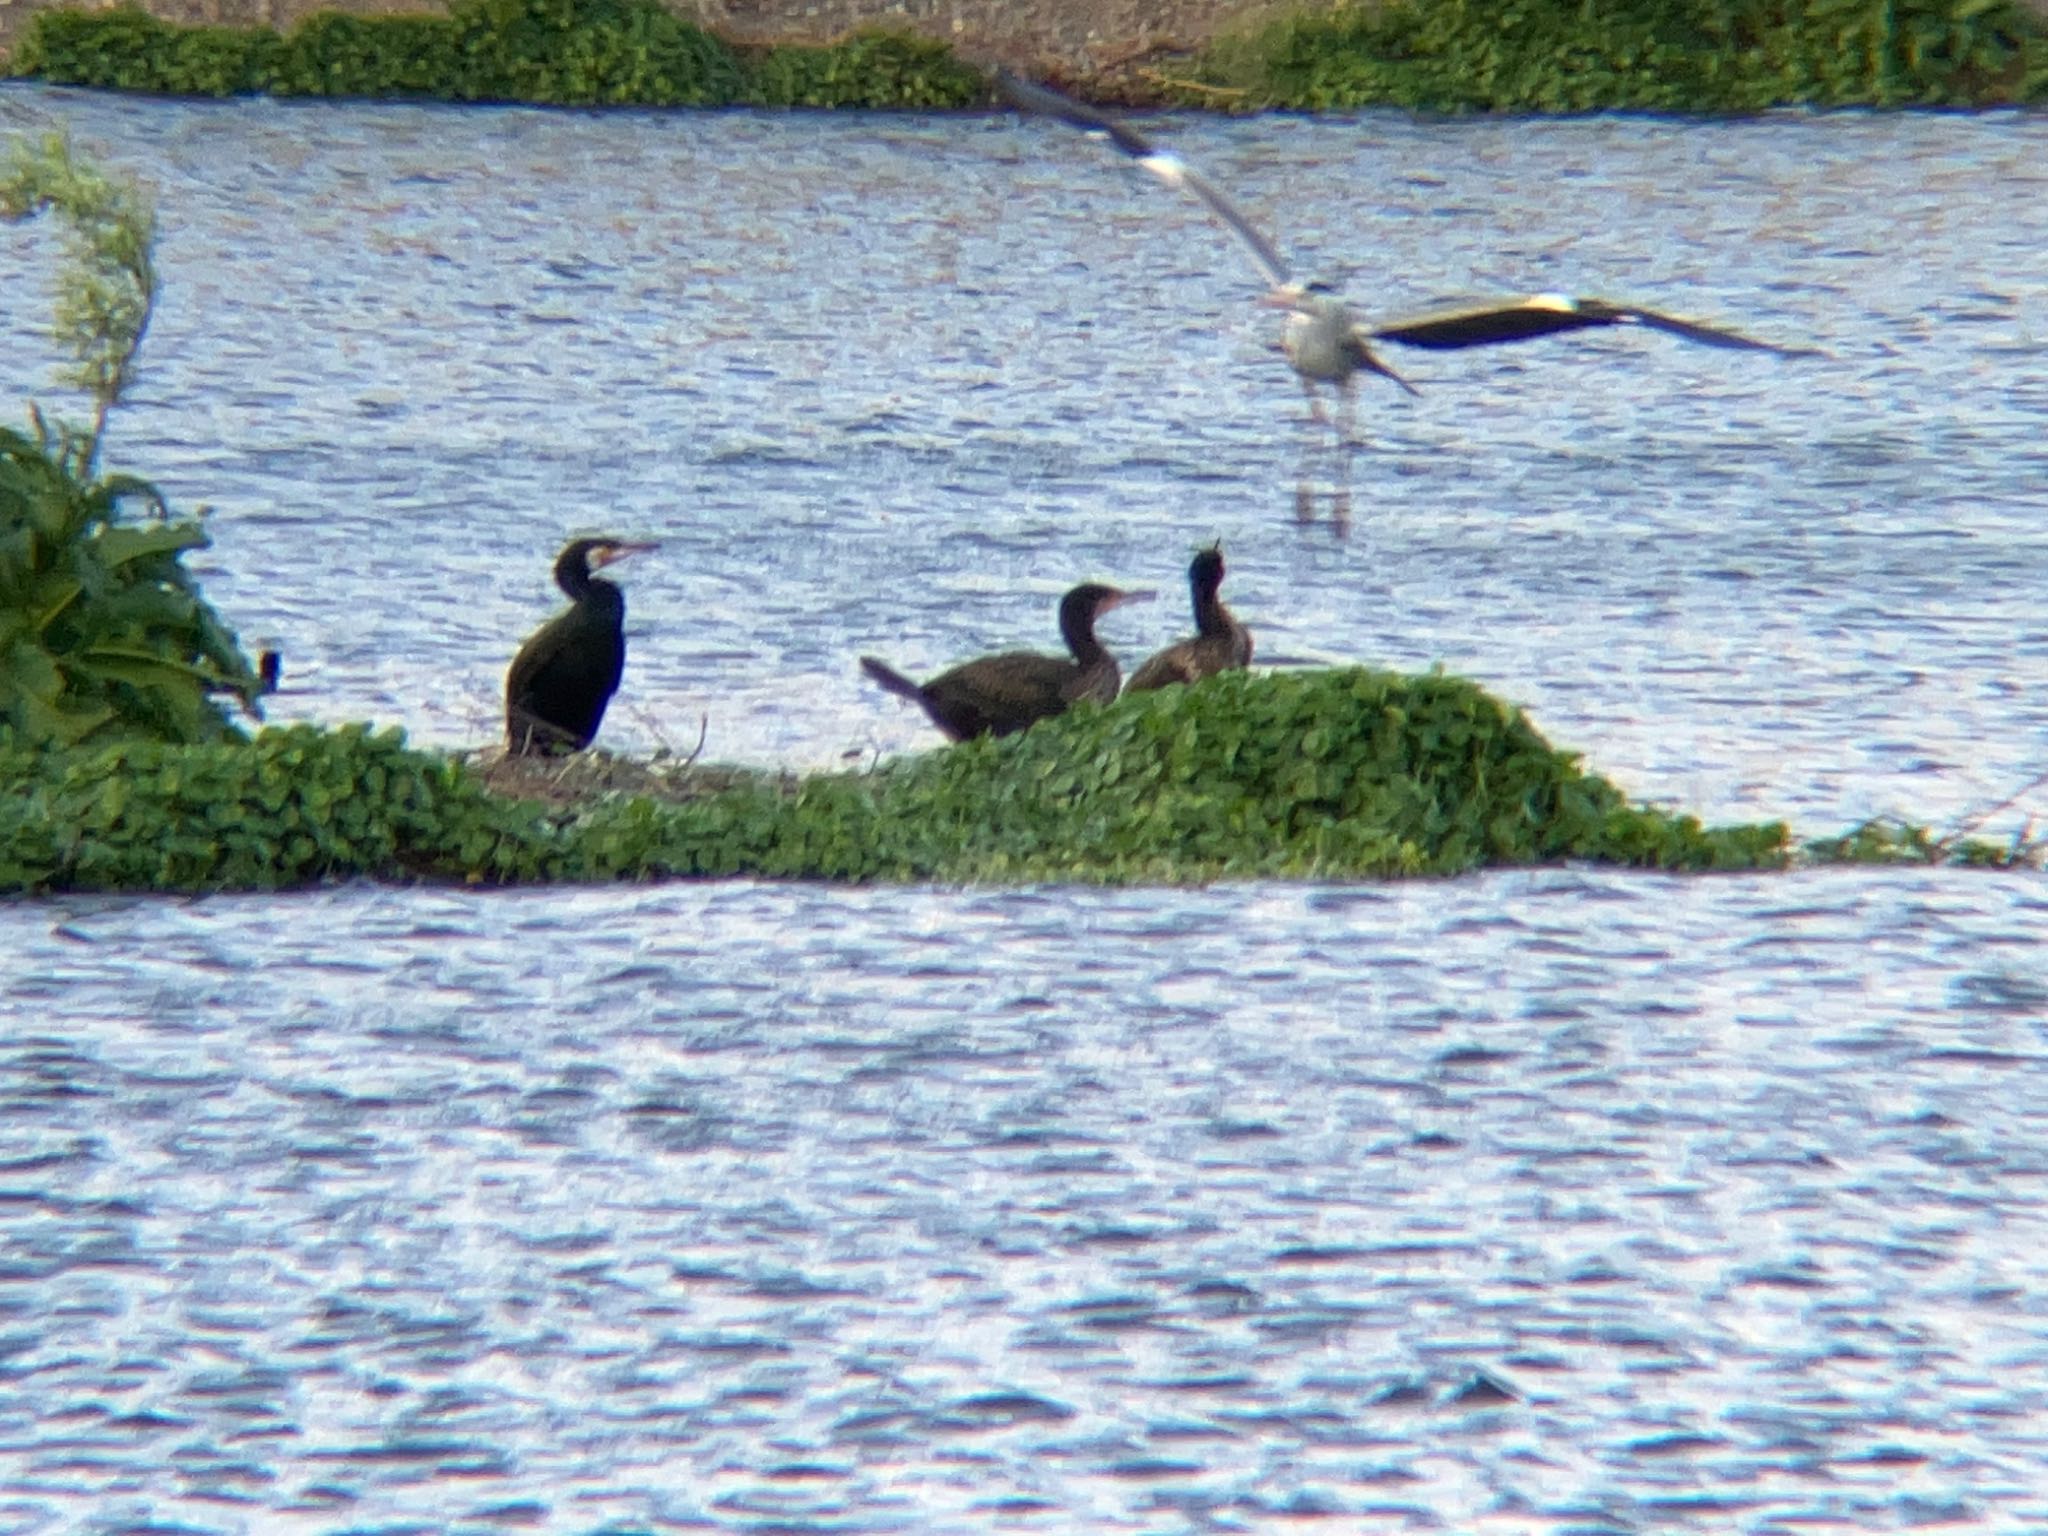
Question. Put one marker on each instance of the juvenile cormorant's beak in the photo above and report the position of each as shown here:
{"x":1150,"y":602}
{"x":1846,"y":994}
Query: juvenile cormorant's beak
{"x":605,"y":554}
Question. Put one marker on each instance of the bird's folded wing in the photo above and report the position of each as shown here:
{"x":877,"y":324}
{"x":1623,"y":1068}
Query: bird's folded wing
{"x":1015,"y":680}
{"x":1175,"y":664}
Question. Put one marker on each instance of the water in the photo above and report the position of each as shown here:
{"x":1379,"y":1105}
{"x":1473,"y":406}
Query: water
{"x":1563,"y":1202}
{"x":748,"y":1208}
{"x":892,"y":385}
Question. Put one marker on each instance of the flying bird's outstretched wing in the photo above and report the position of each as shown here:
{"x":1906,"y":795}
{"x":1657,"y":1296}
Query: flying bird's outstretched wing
{"x":1480,"y":323}
{"x":1489,"y":322}
{"x":1169,"y":168}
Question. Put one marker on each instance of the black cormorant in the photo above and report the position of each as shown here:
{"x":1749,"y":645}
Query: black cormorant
{"x":562,"y":678}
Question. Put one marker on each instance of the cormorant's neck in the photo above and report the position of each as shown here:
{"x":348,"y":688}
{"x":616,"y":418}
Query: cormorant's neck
{"x":572,"y":573}
{"x":1211,"y":617}
{"x":1077,"y":628}
{"x":601,"y":595}
{"x":574,"y":578}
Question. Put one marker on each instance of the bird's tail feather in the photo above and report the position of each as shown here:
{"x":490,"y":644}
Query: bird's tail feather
{"x":891,"y":679}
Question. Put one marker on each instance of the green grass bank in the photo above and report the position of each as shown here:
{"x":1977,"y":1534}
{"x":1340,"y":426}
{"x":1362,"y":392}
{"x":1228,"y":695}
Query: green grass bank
{"x":584,"y":53}
{"x":1337,"y":774}
{"x":1670,"y":56}
{"x":1431,"y":56}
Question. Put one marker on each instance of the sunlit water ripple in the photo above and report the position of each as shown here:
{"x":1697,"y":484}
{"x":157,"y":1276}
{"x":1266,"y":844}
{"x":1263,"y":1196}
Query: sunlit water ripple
{"x":1559,"y":1203}
{"x":1554,"y":1202}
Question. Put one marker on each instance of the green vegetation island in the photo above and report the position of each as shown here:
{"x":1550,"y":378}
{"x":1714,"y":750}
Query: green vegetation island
{"x":1428,"y":56}
{"x":124,"y":766}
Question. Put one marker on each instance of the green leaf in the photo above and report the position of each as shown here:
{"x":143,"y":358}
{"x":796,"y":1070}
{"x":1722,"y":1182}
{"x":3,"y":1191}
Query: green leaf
{"x":118,"y":547}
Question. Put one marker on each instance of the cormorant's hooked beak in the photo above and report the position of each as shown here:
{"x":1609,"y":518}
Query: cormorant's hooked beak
{"x":605,"y":554}
{"x":1118,"y":599}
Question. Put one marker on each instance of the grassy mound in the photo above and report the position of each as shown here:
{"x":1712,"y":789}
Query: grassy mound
{"x":551,"y":52}
{"x":1338,"y":773}
{"x":1636,"y":55}
{"x":1326,"y":775}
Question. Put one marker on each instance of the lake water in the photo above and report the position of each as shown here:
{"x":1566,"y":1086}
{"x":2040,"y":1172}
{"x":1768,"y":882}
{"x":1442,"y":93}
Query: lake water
{"x":1556,"y":1202}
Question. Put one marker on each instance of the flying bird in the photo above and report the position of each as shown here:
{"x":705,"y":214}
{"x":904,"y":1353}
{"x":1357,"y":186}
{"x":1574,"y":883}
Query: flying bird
{"x":1324,"y":339}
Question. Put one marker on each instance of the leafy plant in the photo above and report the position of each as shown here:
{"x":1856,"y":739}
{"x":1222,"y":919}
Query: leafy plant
{"x":1645,"y":55}
{"x":559,"y":52}
{"x":128,"y":49}
{"x":1347,"y":772}
{"x":331,"y":53}
{"x":119,"y":49}
{"x":876,"y":70}
{"x":1888,"y":841}
{"x":103,"y":633}
{"x":586,"y":53}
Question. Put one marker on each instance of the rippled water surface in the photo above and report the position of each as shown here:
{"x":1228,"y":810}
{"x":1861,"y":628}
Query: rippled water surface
{"x":1555,"y":1203}
{"x":892,"y":384}
{"x":1529,"y":1203}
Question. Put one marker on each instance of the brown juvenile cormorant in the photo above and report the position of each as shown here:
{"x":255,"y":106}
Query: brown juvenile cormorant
{"x":1001,"y":695}
{"x":562,"y":678}
{"x":1220,"y":643}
